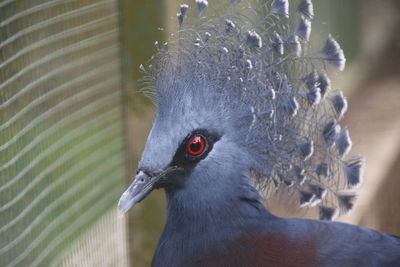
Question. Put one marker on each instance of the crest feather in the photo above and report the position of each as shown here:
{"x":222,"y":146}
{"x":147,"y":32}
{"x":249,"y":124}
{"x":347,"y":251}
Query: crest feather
{"x":258,"y":73}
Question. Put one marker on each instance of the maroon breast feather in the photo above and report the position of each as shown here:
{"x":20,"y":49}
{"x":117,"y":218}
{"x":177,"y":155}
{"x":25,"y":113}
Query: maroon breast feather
{"x":271,"y":249}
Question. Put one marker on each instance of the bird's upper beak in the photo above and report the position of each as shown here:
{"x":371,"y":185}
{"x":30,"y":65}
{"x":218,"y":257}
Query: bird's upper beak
{"x":140,"y":188}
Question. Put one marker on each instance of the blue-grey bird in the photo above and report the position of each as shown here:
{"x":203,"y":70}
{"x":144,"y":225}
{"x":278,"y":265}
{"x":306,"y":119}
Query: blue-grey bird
{"x":245,"y":108}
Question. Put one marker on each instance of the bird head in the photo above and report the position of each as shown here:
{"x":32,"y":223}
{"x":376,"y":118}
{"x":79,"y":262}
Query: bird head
{"x":238,"y":102}
{"x":195,"y":145}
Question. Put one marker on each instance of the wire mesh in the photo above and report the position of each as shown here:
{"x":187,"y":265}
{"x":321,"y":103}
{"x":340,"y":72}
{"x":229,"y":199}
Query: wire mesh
{"x":61,"y":160}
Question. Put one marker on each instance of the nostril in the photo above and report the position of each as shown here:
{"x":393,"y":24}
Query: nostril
{"x":141,"y":176}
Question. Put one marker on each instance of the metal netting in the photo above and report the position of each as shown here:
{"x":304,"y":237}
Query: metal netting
{"x":61,"y":147}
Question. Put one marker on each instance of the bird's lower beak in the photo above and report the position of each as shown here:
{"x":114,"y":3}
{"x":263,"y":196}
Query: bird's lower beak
{"x":137,"y":191}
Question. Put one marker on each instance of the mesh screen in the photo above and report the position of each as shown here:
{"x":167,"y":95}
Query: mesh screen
{"x":105,"y":242}
{"x":61,"y":160}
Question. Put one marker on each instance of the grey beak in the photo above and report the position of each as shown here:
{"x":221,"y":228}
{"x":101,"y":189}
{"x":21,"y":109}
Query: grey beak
{"x":137,"y":191}
{"x":141,"y":187}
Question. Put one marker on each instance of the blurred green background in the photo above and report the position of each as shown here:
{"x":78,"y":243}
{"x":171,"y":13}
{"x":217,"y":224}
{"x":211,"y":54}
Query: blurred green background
{"x":61,"y":134}
{"x":73,"y":123}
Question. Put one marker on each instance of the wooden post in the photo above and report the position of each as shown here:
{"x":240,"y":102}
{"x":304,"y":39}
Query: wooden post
{"x":140,"y":24}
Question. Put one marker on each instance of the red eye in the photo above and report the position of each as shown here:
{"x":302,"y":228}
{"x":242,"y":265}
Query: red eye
{"x":196,"y":146}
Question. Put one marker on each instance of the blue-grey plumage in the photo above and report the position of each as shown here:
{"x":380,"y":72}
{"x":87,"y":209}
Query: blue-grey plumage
{"x":244,"y":108}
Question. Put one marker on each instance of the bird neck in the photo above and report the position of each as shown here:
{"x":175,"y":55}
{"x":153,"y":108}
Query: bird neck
{"x":200,"y":222}
{"x":213,"y":213}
